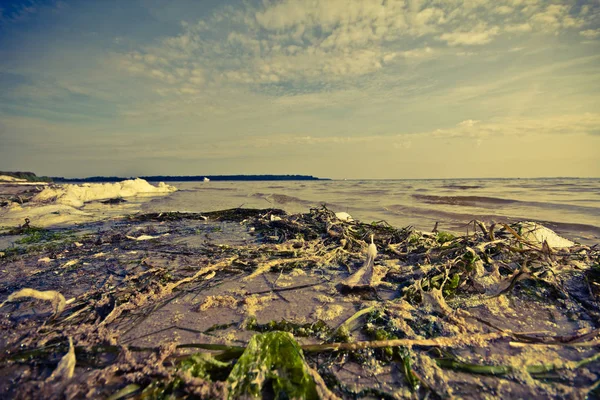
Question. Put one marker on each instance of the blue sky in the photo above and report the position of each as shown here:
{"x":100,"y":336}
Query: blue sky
{"x":336,"y":88}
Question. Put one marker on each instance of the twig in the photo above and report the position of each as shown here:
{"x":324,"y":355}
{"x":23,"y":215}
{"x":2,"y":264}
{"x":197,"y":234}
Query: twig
{"x":277,"y":293}
{"x":466,"y":340}
{"x":353,"y":318}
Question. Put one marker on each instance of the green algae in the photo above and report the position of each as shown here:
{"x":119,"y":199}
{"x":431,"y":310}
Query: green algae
{"x":317,"y":329}
{"x":272,"y":361}
{"x":533,"y":369}
{"x":38,"y":235}
{"x":444,"y":237}
{"x":200,"y":365}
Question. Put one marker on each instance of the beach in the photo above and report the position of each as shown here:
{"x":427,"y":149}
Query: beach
{"x":182,"y":291}
{"x":299,"y":199}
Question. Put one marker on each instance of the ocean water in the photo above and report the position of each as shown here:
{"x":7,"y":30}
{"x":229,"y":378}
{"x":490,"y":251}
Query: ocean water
{"x":569,"y":206}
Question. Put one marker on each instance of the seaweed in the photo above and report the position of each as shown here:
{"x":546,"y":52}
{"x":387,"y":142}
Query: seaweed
{"x":233,"y":214}
{"x":272,"y":362}
{"x":444,"y":305}
{"x":55,"y":298}
{"x":66,"y":367}
{"x":444,"y":237}
{"x":33,"y":234}
{"x":533,"y":369}
{"x":201,"y":366}
{"x":379,"y":326}
{"x":317,"y":329}
{"x":115,"y":200}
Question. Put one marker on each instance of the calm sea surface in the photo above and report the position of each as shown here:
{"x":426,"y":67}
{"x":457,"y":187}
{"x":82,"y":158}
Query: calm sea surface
{"x":569,"y":206}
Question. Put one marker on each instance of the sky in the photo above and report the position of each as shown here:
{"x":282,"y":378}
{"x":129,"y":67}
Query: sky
{"x":334,"y":88}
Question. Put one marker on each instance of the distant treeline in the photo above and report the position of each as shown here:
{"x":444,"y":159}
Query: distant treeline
{"x":170,"y":178}
{"x":29,"y":176}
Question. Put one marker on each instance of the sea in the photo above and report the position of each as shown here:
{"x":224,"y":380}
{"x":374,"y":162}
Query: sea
{"x":569,"y":206}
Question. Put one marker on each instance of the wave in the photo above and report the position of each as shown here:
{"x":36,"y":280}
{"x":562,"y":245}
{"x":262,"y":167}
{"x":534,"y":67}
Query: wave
{"x":462,"y":187}
{"x":462,"y":200}
{"x":279,"y":199}
{"x":284,"y":199}
{"x":482,"y":201}
{"x":370,"y":192}
{"x":552,"y":187}
{"x":434,"y":215}
{"x":216,"y":189}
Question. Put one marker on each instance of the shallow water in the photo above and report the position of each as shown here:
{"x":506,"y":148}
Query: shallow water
{"x":568,"y":206}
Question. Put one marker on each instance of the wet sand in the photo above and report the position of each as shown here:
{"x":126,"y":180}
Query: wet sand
{"x":145,"y":291}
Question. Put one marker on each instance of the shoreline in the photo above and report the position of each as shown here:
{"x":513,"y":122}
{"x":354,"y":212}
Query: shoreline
{"x":16,"y":204}
{"x":194,"y":178}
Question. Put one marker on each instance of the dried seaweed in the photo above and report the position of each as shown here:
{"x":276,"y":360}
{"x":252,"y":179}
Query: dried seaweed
{"x":441,"y":299}
{"x":55,"y":298}
{"x":66,"y":366}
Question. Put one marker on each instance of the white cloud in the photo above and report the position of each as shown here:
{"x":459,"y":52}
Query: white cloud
{"x":569,"y":124}
{"x":420,"y":53}
{"x":590,"y":33}
{"x":554,"y":18}
{"x":318,"y":41}
{"x":427,"y":21}
{"x":477,"y":36}
{"x":504,"y":10}
{"x":170,"y":76}
{"x":325,"y":14}
{"x":518,"y":28}
{"x":468,"y":123}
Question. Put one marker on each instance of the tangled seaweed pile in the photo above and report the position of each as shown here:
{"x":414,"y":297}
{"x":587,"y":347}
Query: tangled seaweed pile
{"x":258,"y":303}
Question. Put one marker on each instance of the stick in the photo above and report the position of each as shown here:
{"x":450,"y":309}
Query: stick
{"x":472,"y":340}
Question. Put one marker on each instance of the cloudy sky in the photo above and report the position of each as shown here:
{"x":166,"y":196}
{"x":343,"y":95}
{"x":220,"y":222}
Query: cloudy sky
{"x":331,"y":88}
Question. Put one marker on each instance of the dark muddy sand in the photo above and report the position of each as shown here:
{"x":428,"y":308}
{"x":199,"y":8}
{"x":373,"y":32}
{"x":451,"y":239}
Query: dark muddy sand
{"x":143,"y":292}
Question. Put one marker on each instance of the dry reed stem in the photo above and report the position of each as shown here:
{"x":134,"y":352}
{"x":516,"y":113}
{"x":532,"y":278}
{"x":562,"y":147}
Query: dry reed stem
{"x":463,"y":340}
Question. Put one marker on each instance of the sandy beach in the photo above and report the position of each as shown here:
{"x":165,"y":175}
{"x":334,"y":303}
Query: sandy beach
{"x":179,"y":303}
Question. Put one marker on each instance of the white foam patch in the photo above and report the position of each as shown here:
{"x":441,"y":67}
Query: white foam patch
{"x":77,"y":195}
{"x":537,"y":233}
{"x":344,"y":216}
{"x":60,"y":205}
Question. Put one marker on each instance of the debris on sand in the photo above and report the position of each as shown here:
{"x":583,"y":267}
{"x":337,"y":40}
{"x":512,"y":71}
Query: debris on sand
{"x":363,"y":278}
{"x":66,"y":367}
{"x":246,"y":303}
{"x":539,"y":234}
{"x":58,"y":300}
